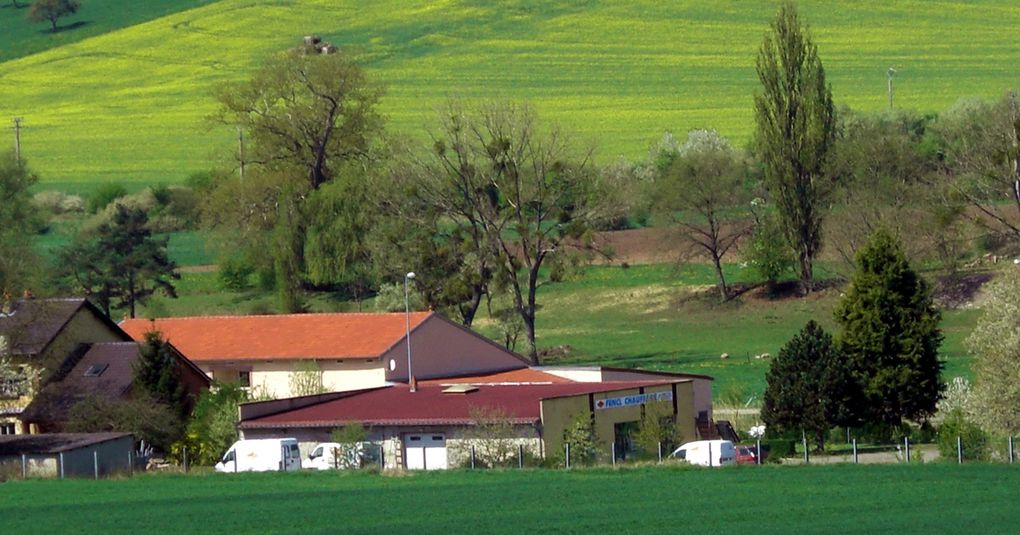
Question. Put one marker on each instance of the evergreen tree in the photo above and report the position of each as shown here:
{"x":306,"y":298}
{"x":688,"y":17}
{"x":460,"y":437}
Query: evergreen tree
{"x":795,"y":130}
{"x":891,"y":335}
{"x":808,"y":387}
{"x":156,"y":372}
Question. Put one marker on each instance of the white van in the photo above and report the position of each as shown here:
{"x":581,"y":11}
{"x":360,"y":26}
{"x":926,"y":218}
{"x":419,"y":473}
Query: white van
{"x":707,"y":453}
{"x":262,"y":455}
{"x":330,"y":456}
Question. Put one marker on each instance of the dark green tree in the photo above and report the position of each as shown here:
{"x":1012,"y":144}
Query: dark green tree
{"x":18,"y":223}
{"x":157,"y":372}
{"x":52,"y":11}
{"x":795,"y":129}
{"x":891,"y":335}
{"x":809,"y":387}
{"x":120,"y":264}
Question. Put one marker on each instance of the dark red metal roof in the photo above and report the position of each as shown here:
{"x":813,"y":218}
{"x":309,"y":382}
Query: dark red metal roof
{"x":397,"y":405}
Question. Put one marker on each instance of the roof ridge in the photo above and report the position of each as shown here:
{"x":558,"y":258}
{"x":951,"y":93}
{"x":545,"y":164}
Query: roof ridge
{"x":294,"y":315}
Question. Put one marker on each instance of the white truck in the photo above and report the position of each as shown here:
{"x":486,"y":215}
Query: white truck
{"x":333,"y":455}
{"x":707,"y":453}
{"x":261,"y":455}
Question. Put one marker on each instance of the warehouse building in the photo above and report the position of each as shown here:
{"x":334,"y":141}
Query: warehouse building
{"x":435,"y":425}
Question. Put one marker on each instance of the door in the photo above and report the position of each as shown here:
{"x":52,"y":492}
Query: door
{"x":425,"y":451}
{"x":291,"y":456}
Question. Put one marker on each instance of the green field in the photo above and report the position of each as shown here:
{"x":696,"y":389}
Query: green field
{"x":20,"y":38}
{"x":936,"y":498}
{"x":130,"y":105}
{"x":643,"y":316}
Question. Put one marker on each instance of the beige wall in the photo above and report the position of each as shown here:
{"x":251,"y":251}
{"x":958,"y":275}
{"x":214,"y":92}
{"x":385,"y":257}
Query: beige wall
{"x":275,"y":377}
{"x":442,"y":349}
{"x":559,"y":413}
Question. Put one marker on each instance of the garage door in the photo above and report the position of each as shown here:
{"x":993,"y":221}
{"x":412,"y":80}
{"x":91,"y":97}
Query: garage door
{"x":426,"y":451}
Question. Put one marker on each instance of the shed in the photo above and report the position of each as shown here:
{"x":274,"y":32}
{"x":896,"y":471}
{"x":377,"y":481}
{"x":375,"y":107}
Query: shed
{"x":68,"y":454}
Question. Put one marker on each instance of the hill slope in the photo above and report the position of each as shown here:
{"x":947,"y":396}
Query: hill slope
{"x":130,"y":105}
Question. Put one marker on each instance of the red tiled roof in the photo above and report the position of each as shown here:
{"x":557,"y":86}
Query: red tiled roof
{"x":397,"y":405}
{"x":523,"y":376}
{"x":281,"y":337}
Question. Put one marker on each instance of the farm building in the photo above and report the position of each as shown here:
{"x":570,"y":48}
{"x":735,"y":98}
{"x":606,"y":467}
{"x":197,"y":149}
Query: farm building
{"x":38,"y":336}
{"x":103,"y":369}
{"x":435,"y":426}
{"x":347,"y":351}
{"x":68,"y":454}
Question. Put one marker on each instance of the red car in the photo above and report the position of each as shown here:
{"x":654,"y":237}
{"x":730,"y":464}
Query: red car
{"x":745,"y":455}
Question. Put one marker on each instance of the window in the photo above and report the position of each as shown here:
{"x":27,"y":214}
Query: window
{"x":244,"y":379}
{"x":229,"y":456}
{"x":96,"y":370}
{"x":6,"y":429}
{"x":316,"y":453}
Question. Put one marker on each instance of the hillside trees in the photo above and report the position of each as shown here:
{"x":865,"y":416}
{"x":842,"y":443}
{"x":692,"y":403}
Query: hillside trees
{"x":52,"y":11}
{"x":312,"y":121}
{"x":795,"y":123}
{"x":119,"y":264}
{"x":527,"y":196}
{"x":891,"y":335}
{"x":18,"y":223}
{"x":809,"y":386}
{"x":996,"y":345}
{"x":703,"y":191}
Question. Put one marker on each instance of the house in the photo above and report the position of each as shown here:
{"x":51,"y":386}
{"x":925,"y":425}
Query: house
{"x":346,"y":351}
{"x":436,"y":425}
{"x":38,"y":335}
{"x":68,"y":454}
{"x":102,"y":369}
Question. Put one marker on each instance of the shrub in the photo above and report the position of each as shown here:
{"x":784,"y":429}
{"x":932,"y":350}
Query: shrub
{"x":234,"y":274}
{"x":580,"y":435}
{"x":351,"y":438}
{"x":104,"y":195}
{"x":974,"y":439}
{"x":57,"y":203}
{"x":769,"y":252}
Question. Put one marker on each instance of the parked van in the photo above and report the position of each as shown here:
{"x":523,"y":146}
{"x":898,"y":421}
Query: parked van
{"x":707,"y":452}
{"x":331,"y":456}
{"x":262,"y":455}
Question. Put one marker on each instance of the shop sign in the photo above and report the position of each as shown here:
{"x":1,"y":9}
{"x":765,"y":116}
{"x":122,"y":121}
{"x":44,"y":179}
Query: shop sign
{"x":636,"y":399}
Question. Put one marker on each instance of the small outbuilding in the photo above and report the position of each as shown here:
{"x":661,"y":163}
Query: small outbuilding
{"x":68,"y":454}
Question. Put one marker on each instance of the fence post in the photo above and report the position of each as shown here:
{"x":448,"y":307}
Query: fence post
{"x":709,"y":454}
{"x":855,"y":450}
{"x":757,"y":456}
{"x":568,"y":456}
{"x":472,"y":456}
{"x":906,"y":449}
{"x":520,"y":456}
{"x":131,"y":462}
{"x":61,"y":465}
{"x":1010,"y":449}
{"x":803,"y":441}
{"x":382,"y":459}
{"x":660,"y":452}
{"x":24,"y":463}
{"x":95,"y":462}
{"x":959,"y":450}
{"x":613,"y":453}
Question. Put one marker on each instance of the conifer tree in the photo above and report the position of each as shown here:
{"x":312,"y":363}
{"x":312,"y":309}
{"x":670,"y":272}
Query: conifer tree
{"x":891,"y":335}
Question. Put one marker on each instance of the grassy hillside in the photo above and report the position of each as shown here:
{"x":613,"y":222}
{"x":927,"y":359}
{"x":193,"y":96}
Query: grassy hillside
{"x":130,"y":105}
{"x":18,"y":37}
{"x":933,"y":498}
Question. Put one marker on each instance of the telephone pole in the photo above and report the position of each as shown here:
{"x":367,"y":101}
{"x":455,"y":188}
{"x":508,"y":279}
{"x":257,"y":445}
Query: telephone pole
{"x":889,"y":74}
{"x":240,"y":150}
{"x":17,"y":139}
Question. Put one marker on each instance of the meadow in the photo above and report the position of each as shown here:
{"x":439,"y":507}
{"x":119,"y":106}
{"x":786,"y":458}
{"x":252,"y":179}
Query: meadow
{"x":131,"y":105}
{"x":931,"y":498}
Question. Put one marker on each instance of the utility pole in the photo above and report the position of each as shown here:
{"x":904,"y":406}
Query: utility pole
{"x":889,"y":74}
{"x":17,"y":139}
{"x":240,"y":149}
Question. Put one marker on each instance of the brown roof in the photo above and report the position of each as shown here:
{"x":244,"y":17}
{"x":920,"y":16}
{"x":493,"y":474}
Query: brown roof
{"x":397,"y":405}
{"x":522,"y":376}
{"x":52,"y":442}
{"x":281,"y":337}
{"x":31,"y":324}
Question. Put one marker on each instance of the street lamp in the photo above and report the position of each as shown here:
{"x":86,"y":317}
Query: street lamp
{"x":407,"y":320}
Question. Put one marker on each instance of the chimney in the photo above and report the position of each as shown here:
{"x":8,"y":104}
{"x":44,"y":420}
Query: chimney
{"x":414,"y":383}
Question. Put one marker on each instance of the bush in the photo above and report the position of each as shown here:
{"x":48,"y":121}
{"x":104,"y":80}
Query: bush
{"x":769,"y":253}
{"x":58,"y":203}
{"x":974,"y":439}
{"x":104,"y":195}
{"x":234,"y":274}
{"x":778,"y":448}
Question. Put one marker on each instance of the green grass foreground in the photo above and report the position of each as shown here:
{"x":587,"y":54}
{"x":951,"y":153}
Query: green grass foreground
{"x":619,"y":73}
{"x":937,"y":498}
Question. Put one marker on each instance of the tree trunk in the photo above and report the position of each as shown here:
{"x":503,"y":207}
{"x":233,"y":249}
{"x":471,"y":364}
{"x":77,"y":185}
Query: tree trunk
{"x":724,"y":291}
{"x":53,"y":25}
{"x":468,"y":311}
{"x":805,"y":262}
{"x":819,"y":441}
{"x":131,"y":294}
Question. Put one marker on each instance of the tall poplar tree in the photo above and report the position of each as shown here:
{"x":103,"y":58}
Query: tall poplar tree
{"x":795,"y":130}
{"x":891,"y":334}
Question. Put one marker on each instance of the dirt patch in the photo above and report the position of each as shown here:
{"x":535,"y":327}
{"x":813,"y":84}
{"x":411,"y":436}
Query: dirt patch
{"x":960,"y":290}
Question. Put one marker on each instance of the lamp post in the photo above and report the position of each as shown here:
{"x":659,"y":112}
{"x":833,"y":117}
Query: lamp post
{"x":407,"y":321}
